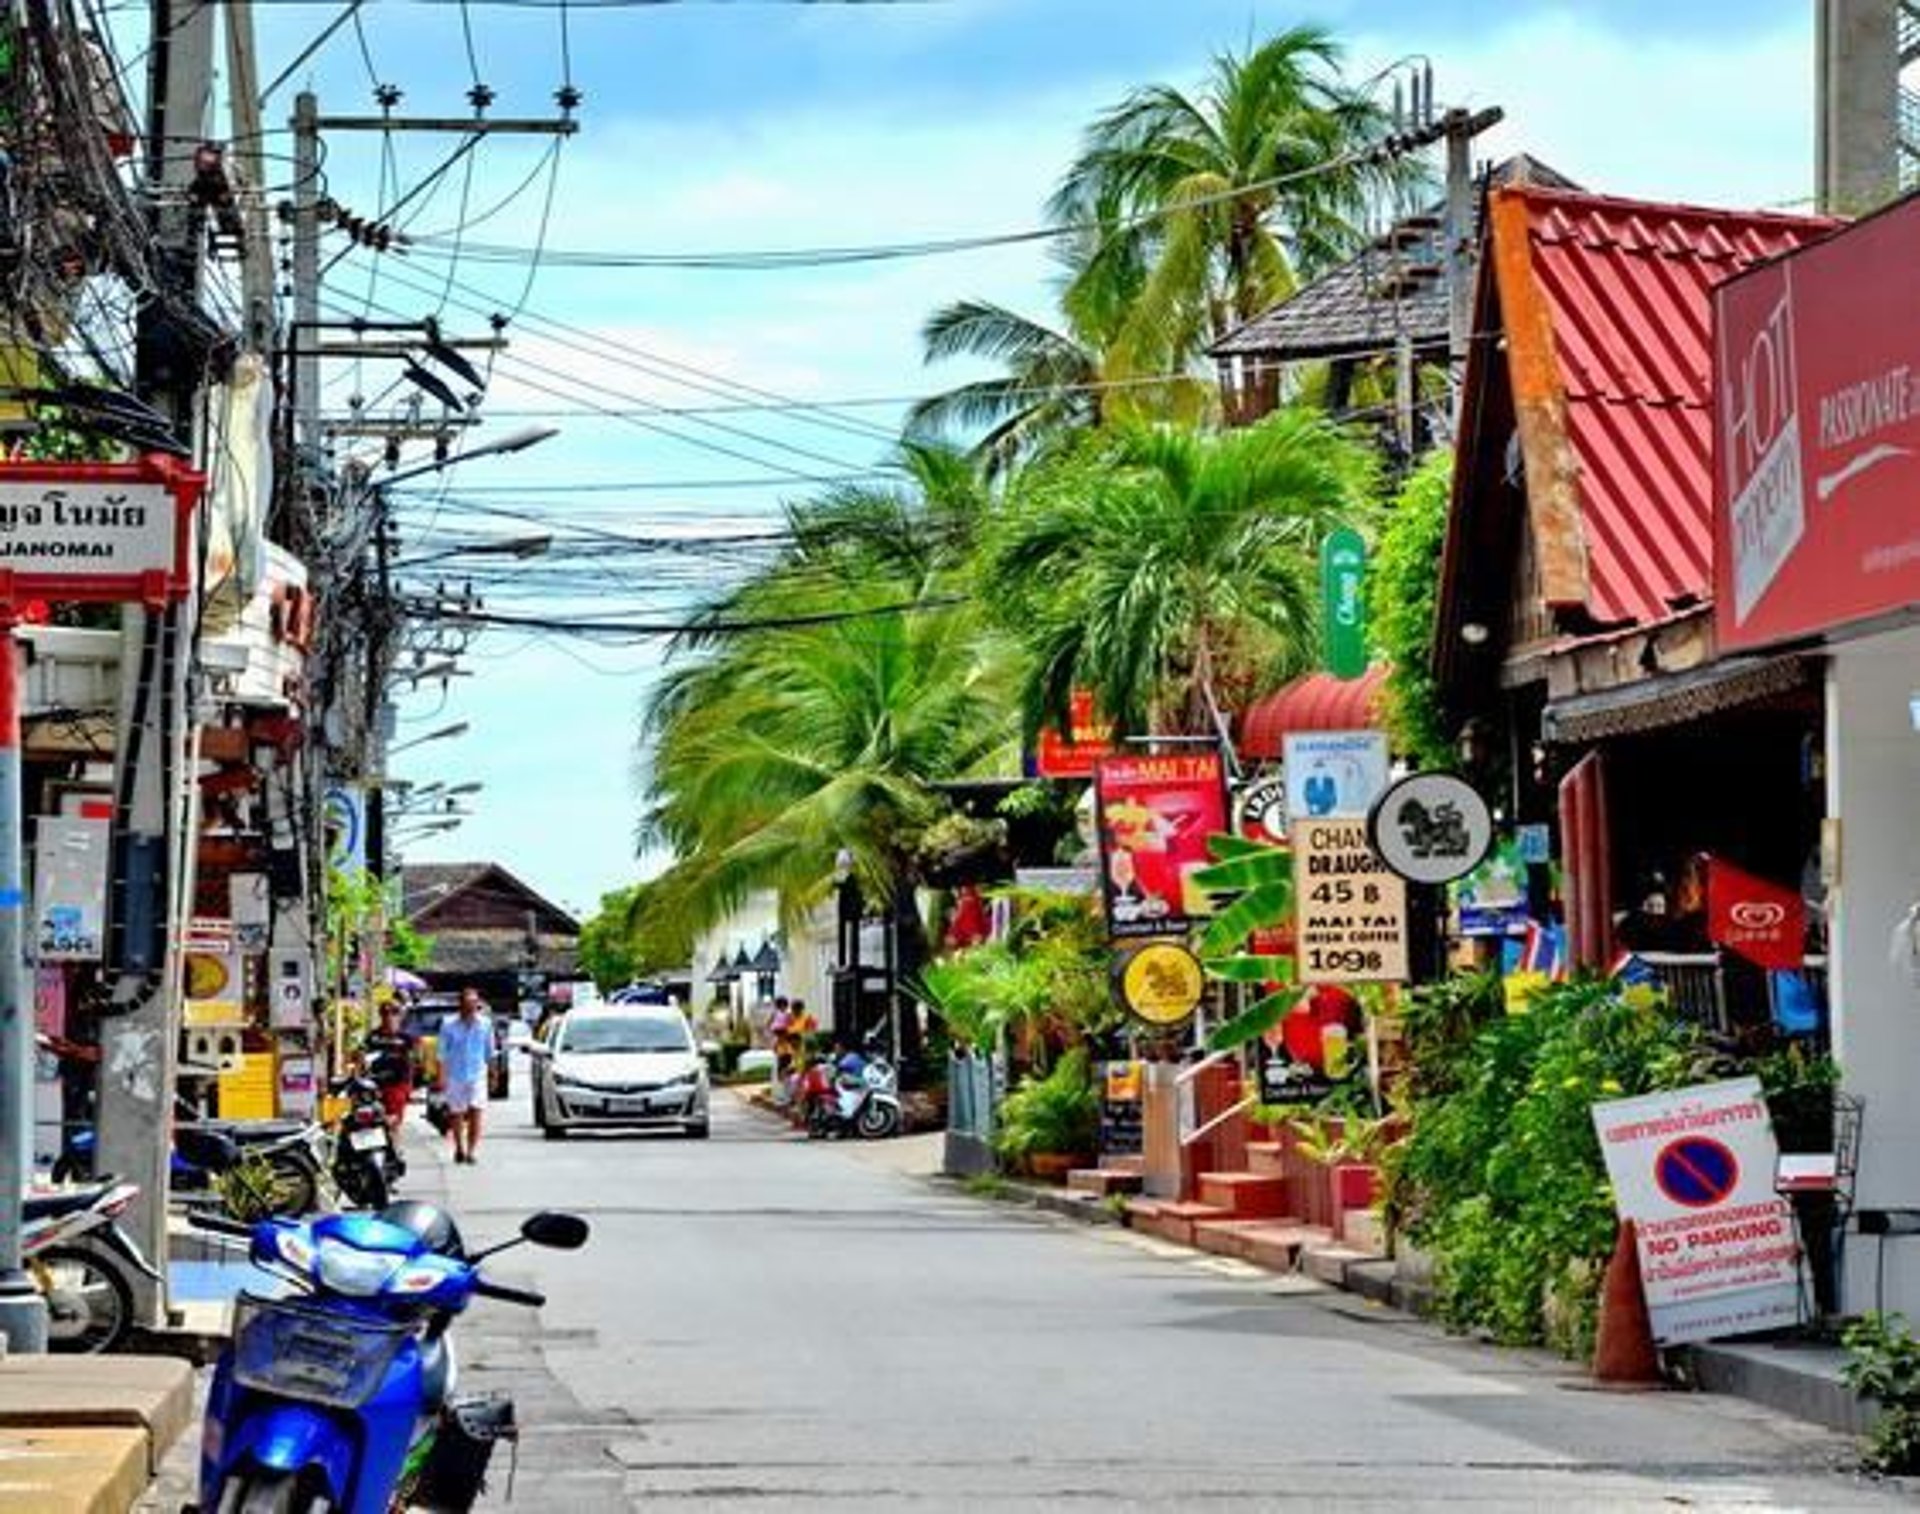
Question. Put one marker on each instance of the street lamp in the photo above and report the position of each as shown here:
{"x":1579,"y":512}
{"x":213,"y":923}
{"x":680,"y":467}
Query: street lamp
{"x":521,"y":547}
{"x":445,"y":733}
{"x":513,"y":441}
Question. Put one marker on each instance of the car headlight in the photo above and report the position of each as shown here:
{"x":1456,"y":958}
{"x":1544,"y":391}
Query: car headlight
{"x":347,"y":1269}
{"x":686,"y":1079}
{"x":567,"y":1080}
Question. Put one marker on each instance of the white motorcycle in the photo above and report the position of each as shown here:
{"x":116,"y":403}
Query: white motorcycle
{"x":83,"y":1263}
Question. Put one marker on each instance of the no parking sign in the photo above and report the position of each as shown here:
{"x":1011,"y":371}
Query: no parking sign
{"x":1694,"y":1170}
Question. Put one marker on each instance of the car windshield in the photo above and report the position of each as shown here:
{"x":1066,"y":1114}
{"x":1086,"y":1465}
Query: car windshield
{"x":625,"y":1033}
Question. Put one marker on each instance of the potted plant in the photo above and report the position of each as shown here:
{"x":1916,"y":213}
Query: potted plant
{"x":1050,"y":1123}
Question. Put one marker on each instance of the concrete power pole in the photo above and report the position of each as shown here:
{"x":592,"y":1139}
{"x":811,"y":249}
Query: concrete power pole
{"x":140,"y":1033}
{"x":1857,"y":104}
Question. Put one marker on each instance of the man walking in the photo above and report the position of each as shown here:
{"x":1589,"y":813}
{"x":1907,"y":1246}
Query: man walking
{"x":466,"y":1047}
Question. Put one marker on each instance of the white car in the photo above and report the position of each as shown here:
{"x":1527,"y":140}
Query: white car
{"x":619,"y":1065}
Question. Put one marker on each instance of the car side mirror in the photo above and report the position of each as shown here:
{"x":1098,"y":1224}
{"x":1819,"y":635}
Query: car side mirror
{"x":550,"y":1227}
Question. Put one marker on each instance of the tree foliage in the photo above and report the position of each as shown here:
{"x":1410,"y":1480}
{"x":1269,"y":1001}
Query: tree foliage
{"x":1170,"y":571}
{"x":1404,"y":598}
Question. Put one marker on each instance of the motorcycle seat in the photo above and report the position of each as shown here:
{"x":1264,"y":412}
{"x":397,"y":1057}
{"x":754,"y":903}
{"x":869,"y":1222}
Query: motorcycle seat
{"x":253,"y":1132}
{"x":49,"y":1206}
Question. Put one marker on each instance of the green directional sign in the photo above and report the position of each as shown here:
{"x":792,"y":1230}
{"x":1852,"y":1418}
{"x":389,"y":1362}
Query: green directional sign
{"x":1343,"y":602}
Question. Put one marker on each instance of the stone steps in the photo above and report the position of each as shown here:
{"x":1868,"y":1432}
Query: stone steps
{"x":1245,"y":1195}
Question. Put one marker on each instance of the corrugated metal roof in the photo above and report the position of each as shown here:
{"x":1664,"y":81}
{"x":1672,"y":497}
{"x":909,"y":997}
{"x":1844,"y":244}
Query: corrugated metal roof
{"x":1315,"y":702}
{"x":1625,"y":288}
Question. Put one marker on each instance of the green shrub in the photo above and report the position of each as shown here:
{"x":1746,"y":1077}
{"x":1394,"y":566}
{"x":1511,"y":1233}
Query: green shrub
{"x":1501,"y":1178}
{"x":1058,"y":1113}
{"x":1883,"y":1365}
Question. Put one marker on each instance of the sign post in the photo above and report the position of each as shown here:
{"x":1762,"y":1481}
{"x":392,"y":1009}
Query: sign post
{"x":1694,"y":1170}
{"x":90,"y":533}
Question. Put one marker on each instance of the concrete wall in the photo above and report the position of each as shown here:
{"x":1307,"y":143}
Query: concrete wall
{"x":1873,"y":787}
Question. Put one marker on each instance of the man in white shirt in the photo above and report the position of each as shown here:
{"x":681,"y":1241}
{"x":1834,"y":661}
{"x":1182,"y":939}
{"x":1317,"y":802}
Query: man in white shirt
{"x":466,"y":1047}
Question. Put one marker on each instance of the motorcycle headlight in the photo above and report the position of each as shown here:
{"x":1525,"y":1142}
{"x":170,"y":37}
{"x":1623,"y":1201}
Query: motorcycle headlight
{"x":295,"y":1249}
{"x":345,"y":1269}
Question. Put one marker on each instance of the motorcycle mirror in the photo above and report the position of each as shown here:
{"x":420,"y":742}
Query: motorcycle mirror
{"x":562,"y":1232}
{"x":206,"y":1148}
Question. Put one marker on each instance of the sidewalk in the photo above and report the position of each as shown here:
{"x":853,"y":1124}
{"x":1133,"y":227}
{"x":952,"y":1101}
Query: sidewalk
{"x":86,"y":1434}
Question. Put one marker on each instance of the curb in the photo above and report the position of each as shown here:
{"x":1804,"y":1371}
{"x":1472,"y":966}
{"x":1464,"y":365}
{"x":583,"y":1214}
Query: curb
{"x":1086,"y":1210}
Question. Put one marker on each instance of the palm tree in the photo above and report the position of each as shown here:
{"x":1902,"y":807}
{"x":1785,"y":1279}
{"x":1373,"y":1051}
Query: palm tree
{"x":864,"y":679}
{"x":1223,"y":197}
{"x":1170,"y":570}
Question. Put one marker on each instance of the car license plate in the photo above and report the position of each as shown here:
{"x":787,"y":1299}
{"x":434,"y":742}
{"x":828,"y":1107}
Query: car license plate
{"x":367,"y":1140}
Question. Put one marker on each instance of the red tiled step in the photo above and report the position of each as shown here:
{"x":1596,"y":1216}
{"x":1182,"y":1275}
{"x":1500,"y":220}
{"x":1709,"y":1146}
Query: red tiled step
{"x":1245,"y":1195}
{"x":1103,"y":1181}
{"x":1172,"y":1222}
{"x":1266,"y":1158}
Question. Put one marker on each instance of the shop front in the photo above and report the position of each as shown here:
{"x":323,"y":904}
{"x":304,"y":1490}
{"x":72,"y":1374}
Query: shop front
{"x":1817,"y":550}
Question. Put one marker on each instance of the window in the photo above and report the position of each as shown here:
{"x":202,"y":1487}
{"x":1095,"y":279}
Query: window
{"x":627,"y":1033}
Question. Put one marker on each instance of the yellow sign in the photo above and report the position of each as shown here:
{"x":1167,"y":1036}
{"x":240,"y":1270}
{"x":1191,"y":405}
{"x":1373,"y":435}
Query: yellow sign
{"x":1161,"y":982}
{"x":1351,"y":909}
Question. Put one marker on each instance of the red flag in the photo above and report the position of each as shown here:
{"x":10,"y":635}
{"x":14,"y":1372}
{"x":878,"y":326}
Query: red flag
{"x":1762,"y":921}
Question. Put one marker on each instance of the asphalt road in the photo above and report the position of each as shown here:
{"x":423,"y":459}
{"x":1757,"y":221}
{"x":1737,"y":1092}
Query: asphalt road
{"x":764,"y":1324}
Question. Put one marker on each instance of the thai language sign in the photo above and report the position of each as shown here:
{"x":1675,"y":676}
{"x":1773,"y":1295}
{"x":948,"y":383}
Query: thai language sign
{"x":1694,"y":1170}
{"x":1156,"y":814}
{"x":1350,"y":911}
{"x":100,"y":531}
{"x":1817,"y":436}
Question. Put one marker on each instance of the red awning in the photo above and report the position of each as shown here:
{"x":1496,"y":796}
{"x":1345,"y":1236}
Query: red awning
{"x":1316,"y":702}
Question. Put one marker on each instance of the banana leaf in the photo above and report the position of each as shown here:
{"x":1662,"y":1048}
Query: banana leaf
{"x":1251,"y":1023}
{"x":1247,"y":968}
{"x":1224,"y":846}
{"x":1268,"y":865}
{"x":1257,"y":907}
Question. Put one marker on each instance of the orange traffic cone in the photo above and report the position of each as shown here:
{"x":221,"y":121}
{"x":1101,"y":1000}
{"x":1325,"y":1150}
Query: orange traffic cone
{"x":1624,"y":1355}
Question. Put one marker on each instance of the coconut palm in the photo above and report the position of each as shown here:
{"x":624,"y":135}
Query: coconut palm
{"x":1224,"y":196}
{"x":1170,"y":570}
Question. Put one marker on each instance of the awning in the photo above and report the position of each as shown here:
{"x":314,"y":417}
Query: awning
{"x":1674,"y":699}
{"x":1316,"y":702}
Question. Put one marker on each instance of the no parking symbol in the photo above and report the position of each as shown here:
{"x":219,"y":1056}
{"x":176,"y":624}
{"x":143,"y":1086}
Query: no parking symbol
{"x":1697,"y":1173}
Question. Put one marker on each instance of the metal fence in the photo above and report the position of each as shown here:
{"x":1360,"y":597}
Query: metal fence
{"x":1696,"y":985}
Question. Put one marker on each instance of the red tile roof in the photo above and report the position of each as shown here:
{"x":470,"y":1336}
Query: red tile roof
{"x":1316,"y":702}
{"x":1623,"y":287}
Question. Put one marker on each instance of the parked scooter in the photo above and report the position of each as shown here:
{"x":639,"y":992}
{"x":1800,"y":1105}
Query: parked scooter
{"x":365,"y":1163}
{"x":283,"y":1170}
{"x":342,"y":1401}
{"x":854,"y":1094}
{"x":83,"y":1263}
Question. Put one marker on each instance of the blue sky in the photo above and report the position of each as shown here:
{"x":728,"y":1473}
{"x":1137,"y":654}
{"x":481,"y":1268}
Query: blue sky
{"x":728,"y":125}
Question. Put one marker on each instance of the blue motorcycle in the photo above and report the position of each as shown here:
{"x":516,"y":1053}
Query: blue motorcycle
{"x":341,"y":1400}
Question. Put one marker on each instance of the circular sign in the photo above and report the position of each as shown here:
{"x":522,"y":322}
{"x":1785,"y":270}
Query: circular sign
{"x":1262,"y":810}
{"x":1161,"y":982}
{"x":1431,"y":828}
{"x":1696,"y":1173}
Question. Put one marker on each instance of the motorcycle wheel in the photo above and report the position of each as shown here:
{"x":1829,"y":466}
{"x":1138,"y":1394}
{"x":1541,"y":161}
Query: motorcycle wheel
{"x":272,"y":1493}
{"x":877,"y":1121}
{"x":818,"y":1128}
{"x":364,"y":1184}
{"x":89,"y":1301}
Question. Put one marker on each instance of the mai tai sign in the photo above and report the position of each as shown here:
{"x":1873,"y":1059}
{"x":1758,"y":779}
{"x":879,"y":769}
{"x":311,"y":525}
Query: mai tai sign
{"x":1155,"y":815}
{"x":1343,"y":602}
{"x":96,"y":531}
{"x":1350,"y":911}
{"x":1816,"y":515}
{"x":1694,"y":1170}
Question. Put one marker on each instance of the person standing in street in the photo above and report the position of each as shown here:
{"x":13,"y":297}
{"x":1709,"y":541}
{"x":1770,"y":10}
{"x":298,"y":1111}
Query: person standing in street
{"x":389,"y":1056}
{"x":466,"y":1047}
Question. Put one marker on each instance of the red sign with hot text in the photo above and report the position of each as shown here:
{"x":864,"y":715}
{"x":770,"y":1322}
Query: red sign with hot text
{"x":1816,"y":405}
{"x":1076,"y":754}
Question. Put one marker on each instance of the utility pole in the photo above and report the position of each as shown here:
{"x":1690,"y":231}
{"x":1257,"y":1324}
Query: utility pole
{"x":243,"y":106}
{"x":1858,"y":102}
{"x":140,"y":1031}
{"x":1462,"y":231}
{"x":304,"y":333}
